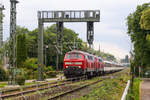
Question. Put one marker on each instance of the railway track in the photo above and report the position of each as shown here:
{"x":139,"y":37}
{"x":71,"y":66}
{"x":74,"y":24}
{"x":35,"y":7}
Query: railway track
{"x":34,"y":88}
{"x":71,"y":91}
{"x":61,"y":88}
{"x":74,"y":90}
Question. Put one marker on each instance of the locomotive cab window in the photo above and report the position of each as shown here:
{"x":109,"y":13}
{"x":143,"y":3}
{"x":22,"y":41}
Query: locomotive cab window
{"x":100,"y":60}
{"x":74,"y":56}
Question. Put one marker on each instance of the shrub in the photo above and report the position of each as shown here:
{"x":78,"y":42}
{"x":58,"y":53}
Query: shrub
{"x":48,"y":68}
{"x":49,"y":72}
{"x":31,"y":63}
{"x":3,"y":75}
{"x":135,"y":94}
{"x":30,"y":67}
{"x":20,"y":77}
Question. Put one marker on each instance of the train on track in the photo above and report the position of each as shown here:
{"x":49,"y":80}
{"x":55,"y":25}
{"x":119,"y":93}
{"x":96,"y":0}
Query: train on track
{"x":79,"y":63}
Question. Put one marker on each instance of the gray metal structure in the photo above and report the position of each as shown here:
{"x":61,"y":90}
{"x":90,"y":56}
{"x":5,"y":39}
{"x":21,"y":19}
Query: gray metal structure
{"x":1,"y":24}
{"x":89,"y":16}
{"x":1,"y":27}
{"x":12,"y":58}
{"x":59,"y":41}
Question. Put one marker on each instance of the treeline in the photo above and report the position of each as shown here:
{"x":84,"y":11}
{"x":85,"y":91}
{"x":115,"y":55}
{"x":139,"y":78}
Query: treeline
{"x":105,"y":56}
{"x":139,"y":30}
{"x":27,"y":45}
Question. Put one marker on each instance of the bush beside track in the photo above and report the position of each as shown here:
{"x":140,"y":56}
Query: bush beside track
{"x":136,"y":94}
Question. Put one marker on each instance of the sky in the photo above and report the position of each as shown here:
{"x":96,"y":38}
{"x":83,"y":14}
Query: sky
{"x":110,"y":33}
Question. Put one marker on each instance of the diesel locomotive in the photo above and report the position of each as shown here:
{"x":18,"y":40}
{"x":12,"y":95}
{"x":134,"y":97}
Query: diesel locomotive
{"x":79,"y":63}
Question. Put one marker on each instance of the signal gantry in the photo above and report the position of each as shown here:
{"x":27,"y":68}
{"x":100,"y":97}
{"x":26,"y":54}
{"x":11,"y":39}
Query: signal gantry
{"x":88,"y":16}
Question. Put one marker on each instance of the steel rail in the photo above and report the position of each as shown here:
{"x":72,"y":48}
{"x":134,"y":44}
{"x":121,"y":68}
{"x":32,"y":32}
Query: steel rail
{"x":73,"y":90}
{"x":3,"y":96}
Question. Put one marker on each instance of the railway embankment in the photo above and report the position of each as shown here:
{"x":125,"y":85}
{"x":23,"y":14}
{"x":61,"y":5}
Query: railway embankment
{"x":109,"y":89}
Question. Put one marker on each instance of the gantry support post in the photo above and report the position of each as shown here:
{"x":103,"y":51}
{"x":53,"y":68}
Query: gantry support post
{"x":12,"y":58}
{"x":59,"y":41}
{"x":40,"y":50}
{"x":1,"y":24}
{"x":90,"y":33}
{"x":1,"y":28}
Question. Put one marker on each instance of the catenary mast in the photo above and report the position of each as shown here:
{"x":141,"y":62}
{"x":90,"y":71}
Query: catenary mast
{"x":12,"y":58}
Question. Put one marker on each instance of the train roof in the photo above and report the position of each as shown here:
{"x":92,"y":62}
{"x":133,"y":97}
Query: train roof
{"x":78,"y":51}
{"x":84,"y":53}
{"x":108,"y":62}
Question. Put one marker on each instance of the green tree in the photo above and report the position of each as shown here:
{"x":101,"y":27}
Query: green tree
{"x":1,"y":52}
{"x":2,"y":74}
{"x":145,"y":19}
{"x":1,"y":17}
{"x":50,"y":40}
{"x":138,"y":36}
{"x":30,"y":67}
{"x":21,"y":49}
{"x":32,"y":43}
{"x":21,"y":30}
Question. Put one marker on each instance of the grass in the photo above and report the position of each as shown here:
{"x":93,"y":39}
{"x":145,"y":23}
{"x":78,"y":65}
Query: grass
{"x":136,"y":94}
{"x":3,"y":84}
{"x":110,"y":89}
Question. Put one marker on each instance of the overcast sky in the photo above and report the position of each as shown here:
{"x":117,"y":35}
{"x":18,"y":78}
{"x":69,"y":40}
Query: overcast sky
{"x":110,"y":33}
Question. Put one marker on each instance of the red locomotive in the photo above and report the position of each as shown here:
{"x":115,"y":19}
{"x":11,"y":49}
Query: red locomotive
{"x":78,"y":63}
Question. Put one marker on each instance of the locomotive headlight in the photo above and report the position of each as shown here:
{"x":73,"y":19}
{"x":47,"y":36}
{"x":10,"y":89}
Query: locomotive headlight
{"x":67,"y":63}
{"x":78,"y":63}
{"x":79,"y":66}
{"x":66,"y":66}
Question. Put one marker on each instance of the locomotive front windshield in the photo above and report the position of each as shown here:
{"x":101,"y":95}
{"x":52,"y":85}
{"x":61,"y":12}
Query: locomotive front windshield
{"x":74,"y":56}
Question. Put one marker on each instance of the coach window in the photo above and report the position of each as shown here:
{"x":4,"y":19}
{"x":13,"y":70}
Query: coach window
{"x":85,"y":56}
{"x":89,"y":57}
{"x":95,"y":59}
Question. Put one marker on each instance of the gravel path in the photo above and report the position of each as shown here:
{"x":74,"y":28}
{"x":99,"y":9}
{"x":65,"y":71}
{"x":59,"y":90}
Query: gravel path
{"x":145,"y":90}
